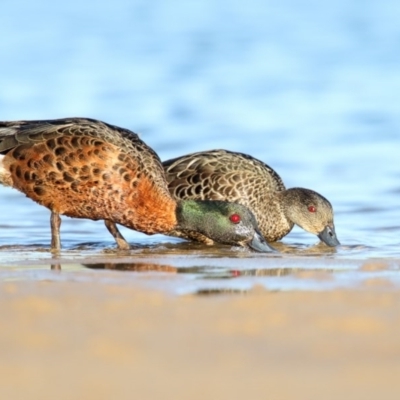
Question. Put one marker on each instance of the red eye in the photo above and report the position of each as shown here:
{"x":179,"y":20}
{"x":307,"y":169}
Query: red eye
{"x":312,"y":209}
{"x":235,"y":218}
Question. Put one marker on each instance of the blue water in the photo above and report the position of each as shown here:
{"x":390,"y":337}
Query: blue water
{"x":310,"y":88}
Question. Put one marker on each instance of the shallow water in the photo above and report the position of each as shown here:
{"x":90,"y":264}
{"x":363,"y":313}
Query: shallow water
{"x":312,"y":90}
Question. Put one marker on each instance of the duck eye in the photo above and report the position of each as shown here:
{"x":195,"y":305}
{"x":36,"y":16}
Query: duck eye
{"x":235,"y":218}
{"x":312,"y":209}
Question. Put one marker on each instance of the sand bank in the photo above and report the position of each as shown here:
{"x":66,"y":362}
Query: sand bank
{"x":90,"y":340}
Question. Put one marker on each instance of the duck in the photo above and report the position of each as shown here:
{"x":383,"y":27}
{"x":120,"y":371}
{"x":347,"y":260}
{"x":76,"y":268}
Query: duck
{"x":237,"y":177}
{"x":87,"y":168}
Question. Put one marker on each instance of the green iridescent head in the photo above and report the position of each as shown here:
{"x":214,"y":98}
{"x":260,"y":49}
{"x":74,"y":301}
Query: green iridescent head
{"x":223,"y":222}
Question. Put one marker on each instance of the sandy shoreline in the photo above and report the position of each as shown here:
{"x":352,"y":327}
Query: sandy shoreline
{"x":90,"y":340}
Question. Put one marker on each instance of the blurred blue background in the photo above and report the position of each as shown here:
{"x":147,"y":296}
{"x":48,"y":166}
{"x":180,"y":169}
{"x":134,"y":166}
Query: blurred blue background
{"x":310,"y":88}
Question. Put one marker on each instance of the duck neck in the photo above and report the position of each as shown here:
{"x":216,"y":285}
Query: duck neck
{"x":153,"y":211}
{"x":286,"y":201}
{"x":190,"y":214}
{"x":204,"y":217}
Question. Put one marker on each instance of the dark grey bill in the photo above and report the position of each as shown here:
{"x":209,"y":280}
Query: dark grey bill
{"x":258,"y":243}
{"x":328,"y":236}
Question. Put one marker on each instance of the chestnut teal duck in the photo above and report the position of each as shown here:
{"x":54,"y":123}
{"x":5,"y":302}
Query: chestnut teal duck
{"x":84,"y":168}
{"x":237,"y":177}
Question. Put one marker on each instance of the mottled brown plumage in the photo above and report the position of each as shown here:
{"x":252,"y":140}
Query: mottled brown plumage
{"x":85,"y":168}
{"x":237,"y":177}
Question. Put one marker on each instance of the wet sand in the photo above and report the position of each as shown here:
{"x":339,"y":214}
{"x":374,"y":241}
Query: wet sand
{"x":96,"y":340}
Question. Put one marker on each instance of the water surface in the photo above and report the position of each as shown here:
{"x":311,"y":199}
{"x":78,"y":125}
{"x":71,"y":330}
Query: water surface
{"x":311,"y":89}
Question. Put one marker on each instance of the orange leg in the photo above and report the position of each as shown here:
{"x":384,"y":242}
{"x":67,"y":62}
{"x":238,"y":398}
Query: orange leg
{"x":112,"y":228}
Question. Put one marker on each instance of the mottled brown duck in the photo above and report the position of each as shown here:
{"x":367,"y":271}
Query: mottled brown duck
{"x":83,"y":168}
{"x":240,"y":178}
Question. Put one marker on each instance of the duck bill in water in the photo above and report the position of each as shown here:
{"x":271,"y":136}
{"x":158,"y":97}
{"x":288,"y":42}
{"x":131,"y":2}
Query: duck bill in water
{"x":258,"y":243}
{"x":328,"y":236}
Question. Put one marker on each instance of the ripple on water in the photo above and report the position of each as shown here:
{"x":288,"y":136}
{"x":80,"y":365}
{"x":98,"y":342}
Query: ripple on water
{"x":184,"y":268}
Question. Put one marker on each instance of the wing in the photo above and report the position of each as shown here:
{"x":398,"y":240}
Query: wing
{"x":221,"y":175}
{"x":16,"y":133}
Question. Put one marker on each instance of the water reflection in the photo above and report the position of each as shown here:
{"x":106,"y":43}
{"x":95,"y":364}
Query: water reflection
{"x":207,"y":280}
{"x":206,"y":271}
{"x":137,"y":267}
{"x":212,"y":275}
{"x":215,"y":291}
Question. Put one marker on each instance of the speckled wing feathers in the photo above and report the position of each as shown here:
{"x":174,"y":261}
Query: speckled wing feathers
{"x":219,"y":175}
{"x":15,"y":133}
